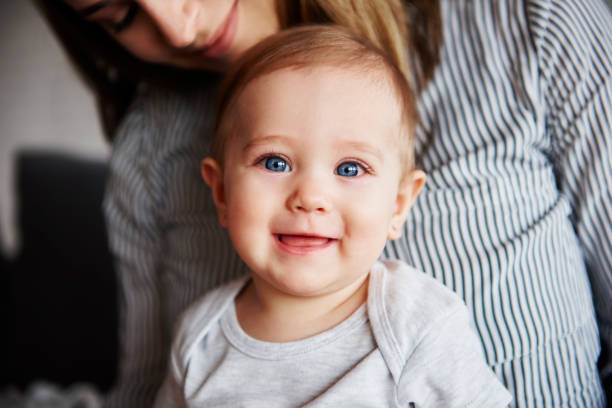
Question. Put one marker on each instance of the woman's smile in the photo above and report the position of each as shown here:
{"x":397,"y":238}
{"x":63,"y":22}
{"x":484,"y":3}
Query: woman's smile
{"x":223,"y":38}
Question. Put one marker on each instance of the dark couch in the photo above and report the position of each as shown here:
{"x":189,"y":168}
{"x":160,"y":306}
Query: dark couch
{"x":59,"y":299}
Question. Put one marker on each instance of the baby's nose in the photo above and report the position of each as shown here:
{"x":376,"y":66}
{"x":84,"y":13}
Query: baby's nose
{"x":309,"y":196}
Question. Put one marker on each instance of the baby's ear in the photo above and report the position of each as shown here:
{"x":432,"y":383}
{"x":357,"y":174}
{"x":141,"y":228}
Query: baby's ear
{"x":213,"y":176}
{"x":407,"y":192}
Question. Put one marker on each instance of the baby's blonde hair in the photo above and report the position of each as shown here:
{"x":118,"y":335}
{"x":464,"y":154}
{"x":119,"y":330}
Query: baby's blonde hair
{"x":308,"y":47}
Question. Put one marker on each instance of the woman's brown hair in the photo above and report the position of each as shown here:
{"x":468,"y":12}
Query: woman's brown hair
{"x":408,"y":30}
{"x":107,"y":68}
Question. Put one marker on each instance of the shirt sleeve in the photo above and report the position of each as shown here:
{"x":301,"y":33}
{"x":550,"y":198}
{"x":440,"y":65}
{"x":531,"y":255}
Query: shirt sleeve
{"x":447,"y":369}
{"x":166,"y":241}
{"x":134,"y":239}
{"x":574,"y":45}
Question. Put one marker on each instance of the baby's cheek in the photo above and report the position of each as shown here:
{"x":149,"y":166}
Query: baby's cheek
{"x":247,"y":238}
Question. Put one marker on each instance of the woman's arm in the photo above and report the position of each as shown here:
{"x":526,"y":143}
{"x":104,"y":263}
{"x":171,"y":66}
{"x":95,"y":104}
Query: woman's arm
{"x":575,"y":57}
{"x":163,"y":231}
{"x":135,"y":242}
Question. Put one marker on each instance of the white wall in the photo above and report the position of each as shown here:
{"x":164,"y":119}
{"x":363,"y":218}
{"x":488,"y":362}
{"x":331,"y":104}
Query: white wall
{"x":42,"y":102}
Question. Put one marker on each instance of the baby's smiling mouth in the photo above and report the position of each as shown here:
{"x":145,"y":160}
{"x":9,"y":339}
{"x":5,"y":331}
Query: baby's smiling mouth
{"x":303,"y":244}
{"x":303,"y":240}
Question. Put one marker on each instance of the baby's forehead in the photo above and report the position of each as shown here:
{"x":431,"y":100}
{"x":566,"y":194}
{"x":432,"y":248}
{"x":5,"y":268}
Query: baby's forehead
{"x":350,"y":73}
{"x":346,"y":91}
{"x":352,"y":86}
{"x":345,"y":105}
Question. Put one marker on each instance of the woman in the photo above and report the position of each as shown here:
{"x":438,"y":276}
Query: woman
{"x":515,"y":138}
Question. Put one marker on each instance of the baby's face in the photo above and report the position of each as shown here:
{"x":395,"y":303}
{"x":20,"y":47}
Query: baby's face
{"x":312,"y":178}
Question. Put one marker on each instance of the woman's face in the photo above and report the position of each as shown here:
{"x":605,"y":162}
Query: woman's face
{"x":184,"y":33}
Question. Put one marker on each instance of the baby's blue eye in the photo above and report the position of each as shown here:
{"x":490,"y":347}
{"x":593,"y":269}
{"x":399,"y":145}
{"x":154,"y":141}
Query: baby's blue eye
{"x":276,"y":164}
{"x":348,"y":169}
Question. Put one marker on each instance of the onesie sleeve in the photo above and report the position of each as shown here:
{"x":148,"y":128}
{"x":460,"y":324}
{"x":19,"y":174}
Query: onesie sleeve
{"x":191,"y":330}
{"x":573,"y":40}
{"x":447,"y":369}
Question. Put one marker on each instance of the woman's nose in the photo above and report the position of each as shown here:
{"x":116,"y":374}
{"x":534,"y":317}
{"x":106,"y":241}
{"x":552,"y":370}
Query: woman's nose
{"x":309,"y":196}
{"x":176,"y":19}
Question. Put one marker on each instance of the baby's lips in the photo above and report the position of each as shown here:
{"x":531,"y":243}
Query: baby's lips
{"x":303,"y":240}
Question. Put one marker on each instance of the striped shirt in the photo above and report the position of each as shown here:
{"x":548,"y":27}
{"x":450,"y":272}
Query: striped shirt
{"x":515,"y":216}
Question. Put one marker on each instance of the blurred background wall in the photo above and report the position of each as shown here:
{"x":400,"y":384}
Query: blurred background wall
{"x":42,"y":103}
{"x":57,"y":293}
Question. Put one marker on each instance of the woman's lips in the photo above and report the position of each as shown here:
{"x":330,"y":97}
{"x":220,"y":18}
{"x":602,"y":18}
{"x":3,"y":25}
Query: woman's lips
{"x":303,"y":244}
{"x":223,"y":38}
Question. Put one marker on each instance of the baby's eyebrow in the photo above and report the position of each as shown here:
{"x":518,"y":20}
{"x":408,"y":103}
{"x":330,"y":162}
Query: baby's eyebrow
{"x":362,"y":147}
{"x":262,"y":140}
{"x":341,"y":145}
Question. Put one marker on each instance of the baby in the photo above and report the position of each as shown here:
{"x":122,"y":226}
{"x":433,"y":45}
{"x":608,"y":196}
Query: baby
{"x":311,"y":171}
